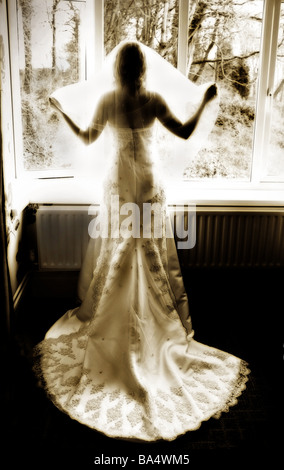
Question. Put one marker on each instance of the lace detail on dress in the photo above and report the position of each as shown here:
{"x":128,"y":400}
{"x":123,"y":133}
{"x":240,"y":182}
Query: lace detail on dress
{"x":147,"y":411}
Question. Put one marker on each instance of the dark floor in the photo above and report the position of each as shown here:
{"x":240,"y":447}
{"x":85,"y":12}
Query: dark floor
{"x":238,"y":311}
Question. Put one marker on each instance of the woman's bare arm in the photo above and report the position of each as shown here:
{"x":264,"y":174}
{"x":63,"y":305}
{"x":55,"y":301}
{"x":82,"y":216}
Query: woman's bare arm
{"x":173,"y":124}
{"x":89,"y":135}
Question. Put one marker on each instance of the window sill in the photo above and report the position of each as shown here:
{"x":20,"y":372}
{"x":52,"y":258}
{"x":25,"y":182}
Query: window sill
{"x":83,"y":191}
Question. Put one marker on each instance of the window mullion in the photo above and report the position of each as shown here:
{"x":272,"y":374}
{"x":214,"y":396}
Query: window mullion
{"x":94,"y":36}
{"x":268,"y":49}
{"x":270,"y":87}
{"x":182,"y":35}
{"x":15,"y":86}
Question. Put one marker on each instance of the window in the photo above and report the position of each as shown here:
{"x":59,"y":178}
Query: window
{"x":50,"y":45}
{"x":218,"y":50}
{"x":227,"y":41}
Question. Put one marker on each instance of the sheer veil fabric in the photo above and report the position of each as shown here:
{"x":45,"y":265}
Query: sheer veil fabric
{"x":125,"y":362}
{"x":79,"y":101}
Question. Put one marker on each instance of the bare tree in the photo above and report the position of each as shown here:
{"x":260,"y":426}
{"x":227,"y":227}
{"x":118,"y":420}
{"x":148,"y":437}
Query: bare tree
{"x":52,"y":22}
{"x":27,"y":11}
{"x":148,"y":21}
{"x":72,"y":47}
{"x":27,"y":114}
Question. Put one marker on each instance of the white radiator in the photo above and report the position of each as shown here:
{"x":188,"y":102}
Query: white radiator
{"x":62,"y":236}
{"x":225,"y":236}
{"x":237,"y":237}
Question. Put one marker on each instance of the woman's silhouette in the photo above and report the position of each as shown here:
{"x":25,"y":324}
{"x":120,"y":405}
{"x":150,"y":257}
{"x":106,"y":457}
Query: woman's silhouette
{"x":125,"y":362}
{"x":130,"y":105}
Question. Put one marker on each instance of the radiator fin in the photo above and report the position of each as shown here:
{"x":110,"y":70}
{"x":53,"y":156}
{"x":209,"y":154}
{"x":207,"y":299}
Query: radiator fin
{"x":233,"y":237}
{"x":237,"y":239}
{"x":62,"y":236}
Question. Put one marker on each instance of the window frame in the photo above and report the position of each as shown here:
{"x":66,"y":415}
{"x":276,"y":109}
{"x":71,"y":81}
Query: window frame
{"x":267,"y":62}
{"x":15,"y":88}
{"x":94,"y":60}
{"x":264,"y":103}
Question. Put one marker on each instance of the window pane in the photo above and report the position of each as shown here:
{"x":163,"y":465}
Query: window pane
{"x":224,"y":42}
{"x":51,"y":49}
{"x":275,"y":154}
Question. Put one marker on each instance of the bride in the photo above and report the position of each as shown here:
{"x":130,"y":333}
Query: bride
{"x":125,"y":362}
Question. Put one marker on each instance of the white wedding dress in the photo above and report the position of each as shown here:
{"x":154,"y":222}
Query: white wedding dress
{"x":125,"y":362}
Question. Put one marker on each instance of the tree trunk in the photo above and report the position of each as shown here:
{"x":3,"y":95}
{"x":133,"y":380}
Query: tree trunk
{"x":26,"y":16}
{"x":27,"y":114}
{"x":53,"y":27}
{"x":73,"y":46}
{"x":164,"y":24}
{"x":194,"y":25}
{"x":209,"y":48}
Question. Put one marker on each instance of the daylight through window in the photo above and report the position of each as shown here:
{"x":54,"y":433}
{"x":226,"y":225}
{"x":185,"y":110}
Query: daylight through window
{"x":51,"y":55}
{"x":223,"y":45}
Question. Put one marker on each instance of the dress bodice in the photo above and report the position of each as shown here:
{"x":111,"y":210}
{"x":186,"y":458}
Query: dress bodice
{"x":135,"y":142}
{"x":132,"y":173}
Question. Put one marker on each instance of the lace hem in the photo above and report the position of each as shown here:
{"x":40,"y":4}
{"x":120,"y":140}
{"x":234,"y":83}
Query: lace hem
{"x":141,"y":415}
{"x":237,"y":390}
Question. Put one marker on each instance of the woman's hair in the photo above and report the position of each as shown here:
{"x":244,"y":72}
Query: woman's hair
{"x":130,"y":66}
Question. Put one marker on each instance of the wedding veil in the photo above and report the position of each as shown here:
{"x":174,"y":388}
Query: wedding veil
{"x":79,"y":101}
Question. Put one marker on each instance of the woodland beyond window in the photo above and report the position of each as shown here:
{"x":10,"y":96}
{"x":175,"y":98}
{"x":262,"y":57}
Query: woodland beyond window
{"x":224,"y":43}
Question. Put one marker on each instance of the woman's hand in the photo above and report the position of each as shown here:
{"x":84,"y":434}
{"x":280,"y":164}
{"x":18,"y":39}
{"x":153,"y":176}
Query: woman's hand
{"x":210,"y":93}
